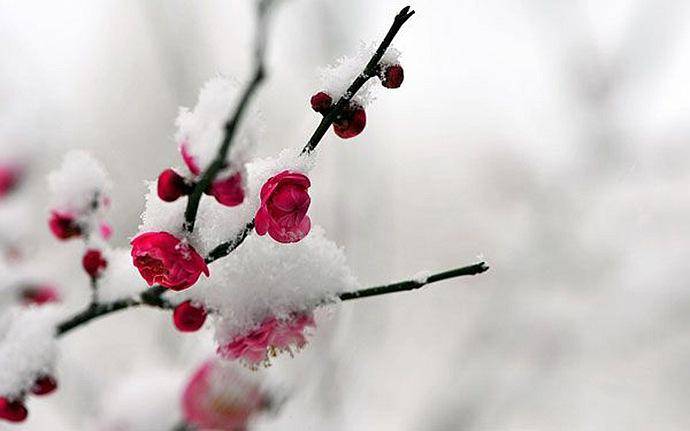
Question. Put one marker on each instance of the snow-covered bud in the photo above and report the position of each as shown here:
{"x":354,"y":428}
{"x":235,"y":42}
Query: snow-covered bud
{"x":188,"y":317}
{"x":350,"y":122}
{"x":39,"y":295}
{"x":44,"y":385}
{"x":13,"y":410}
{"x":321,"y":102}
{"x":284,"y":205}
{"x":228,"y":191}
{"x":172,"y":186}
{"x":94,"y":263}
{"x":63,"y":225}
{"x":163,"y":259}
{"x":392,"y":76}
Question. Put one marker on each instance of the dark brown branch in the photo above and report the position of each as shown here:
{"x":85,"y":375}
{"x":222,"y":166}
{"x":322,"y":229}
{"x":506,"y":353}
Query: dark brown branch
{"x":369,"y":72}
{"x":150,"y":297}
{"x":226,"y":248}
{"x":402,"y":286}
{"x":153,"y":296}
{"x":233,"y":122}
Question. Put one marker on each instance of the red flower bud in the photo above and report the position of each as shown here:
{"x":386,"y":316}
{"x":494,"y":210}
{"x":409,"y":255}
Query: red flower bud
{"x":350,"y":122}
{"x":13,"y":410}
{"x":228,"y":191}
{"x":9,"y":178}
{"x":189,"y":318}
{"x":94,"y":263}
{"x":39,"y":295}
{"x":44,"y":385}
{"x":321,"y":102}
{"x":172,"y":186}
{"x":63,"y":225}
{"x":392,"y":76}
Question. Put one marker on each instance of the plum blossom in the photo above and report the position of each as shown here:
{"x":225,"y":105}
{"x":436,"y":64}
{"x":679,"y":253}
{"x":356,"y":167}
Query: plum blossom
{"x":220,"y":396}
{"x":284,"y":205}
{"x":268,"y":339}
{"x":163,"y":259}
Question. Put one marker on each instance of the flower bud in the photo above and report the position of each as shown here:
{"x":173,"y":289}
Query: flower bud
{"x":94,"y":263}
{"x":350,"y":122}
{"x":172,"y":186}
{"x":44,"y":385}
{"x":13,"y":410}
{"x":321,"y":102}
{"x":63,"y":225}
{"x":392,"y":76}
{"x":188,"y":317}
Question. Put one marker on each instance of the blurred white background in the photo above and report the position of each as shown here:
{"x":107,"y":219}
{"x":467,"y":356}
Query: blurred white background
{"x":548,"y":136}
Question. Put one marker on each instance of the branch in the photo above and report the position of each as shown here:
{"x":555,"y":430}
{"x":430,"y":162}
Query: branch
{"x":231,"y":125}
{"x":150,"y":297}
{"x":153,"y":296}
{"x":368,"y":73}
{"x":402,"y":286}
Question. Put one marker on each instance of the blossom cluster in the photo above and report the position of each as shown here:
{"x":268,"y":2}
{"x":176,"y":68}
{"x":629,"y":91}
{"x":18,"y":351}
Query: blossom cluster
{"x":261,"y":296}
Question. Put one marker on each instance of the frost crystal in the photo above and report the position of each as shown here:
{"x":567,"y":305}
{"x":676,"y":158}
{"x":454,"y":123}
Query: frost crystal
{"x":336,"y":79}
{"x":28,"y":347}
{"x":201,"y":130}
{"x":80,"y":181}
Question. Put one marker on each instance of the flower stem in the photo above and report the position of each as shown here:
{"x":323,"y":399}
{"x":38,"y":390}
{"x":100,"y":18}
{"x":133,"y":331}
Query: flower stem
{"x":402,"y":286}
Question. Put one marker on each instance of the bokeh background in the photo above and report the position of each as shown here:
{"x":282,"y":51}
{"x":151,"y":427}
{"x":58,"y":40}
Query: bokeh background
{"x":549,"y":137}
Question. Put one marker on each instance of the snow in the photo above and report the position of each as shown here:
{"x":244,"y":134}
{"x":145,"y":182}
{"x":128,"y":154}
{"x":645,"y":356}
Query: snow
{"x":120,"y":279}
{"x":336,"y":78}
{"x":28,"y":347}
{"x":263,"y":278}
{"x":217,"y":223}
{"x":202,"y":128}
{"x":422,"y":277}
{"x":77,"y":182}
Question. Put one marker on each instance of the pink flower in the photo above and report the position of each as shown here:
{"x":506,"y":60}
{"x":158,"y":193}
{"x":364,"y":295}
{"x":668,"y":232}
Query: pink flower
{"x":163,"y":259}
{"x":189,"y":160}
{"x":218,"y":397}
{"x":284,"y":205}
{"x":39,"y":295}
{"x":271,"y":336}
{"x":9,"y":177}
{"x":64,"y":225}
{"x":228,"y":191}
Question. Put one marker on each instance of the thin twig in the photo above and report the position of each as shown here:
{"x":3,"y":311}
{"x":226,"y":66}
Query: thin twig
{"x":231,"y":125}
{"x":153,"y":296}
{"x":402,"y":286}
{"x":368,"y":72}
